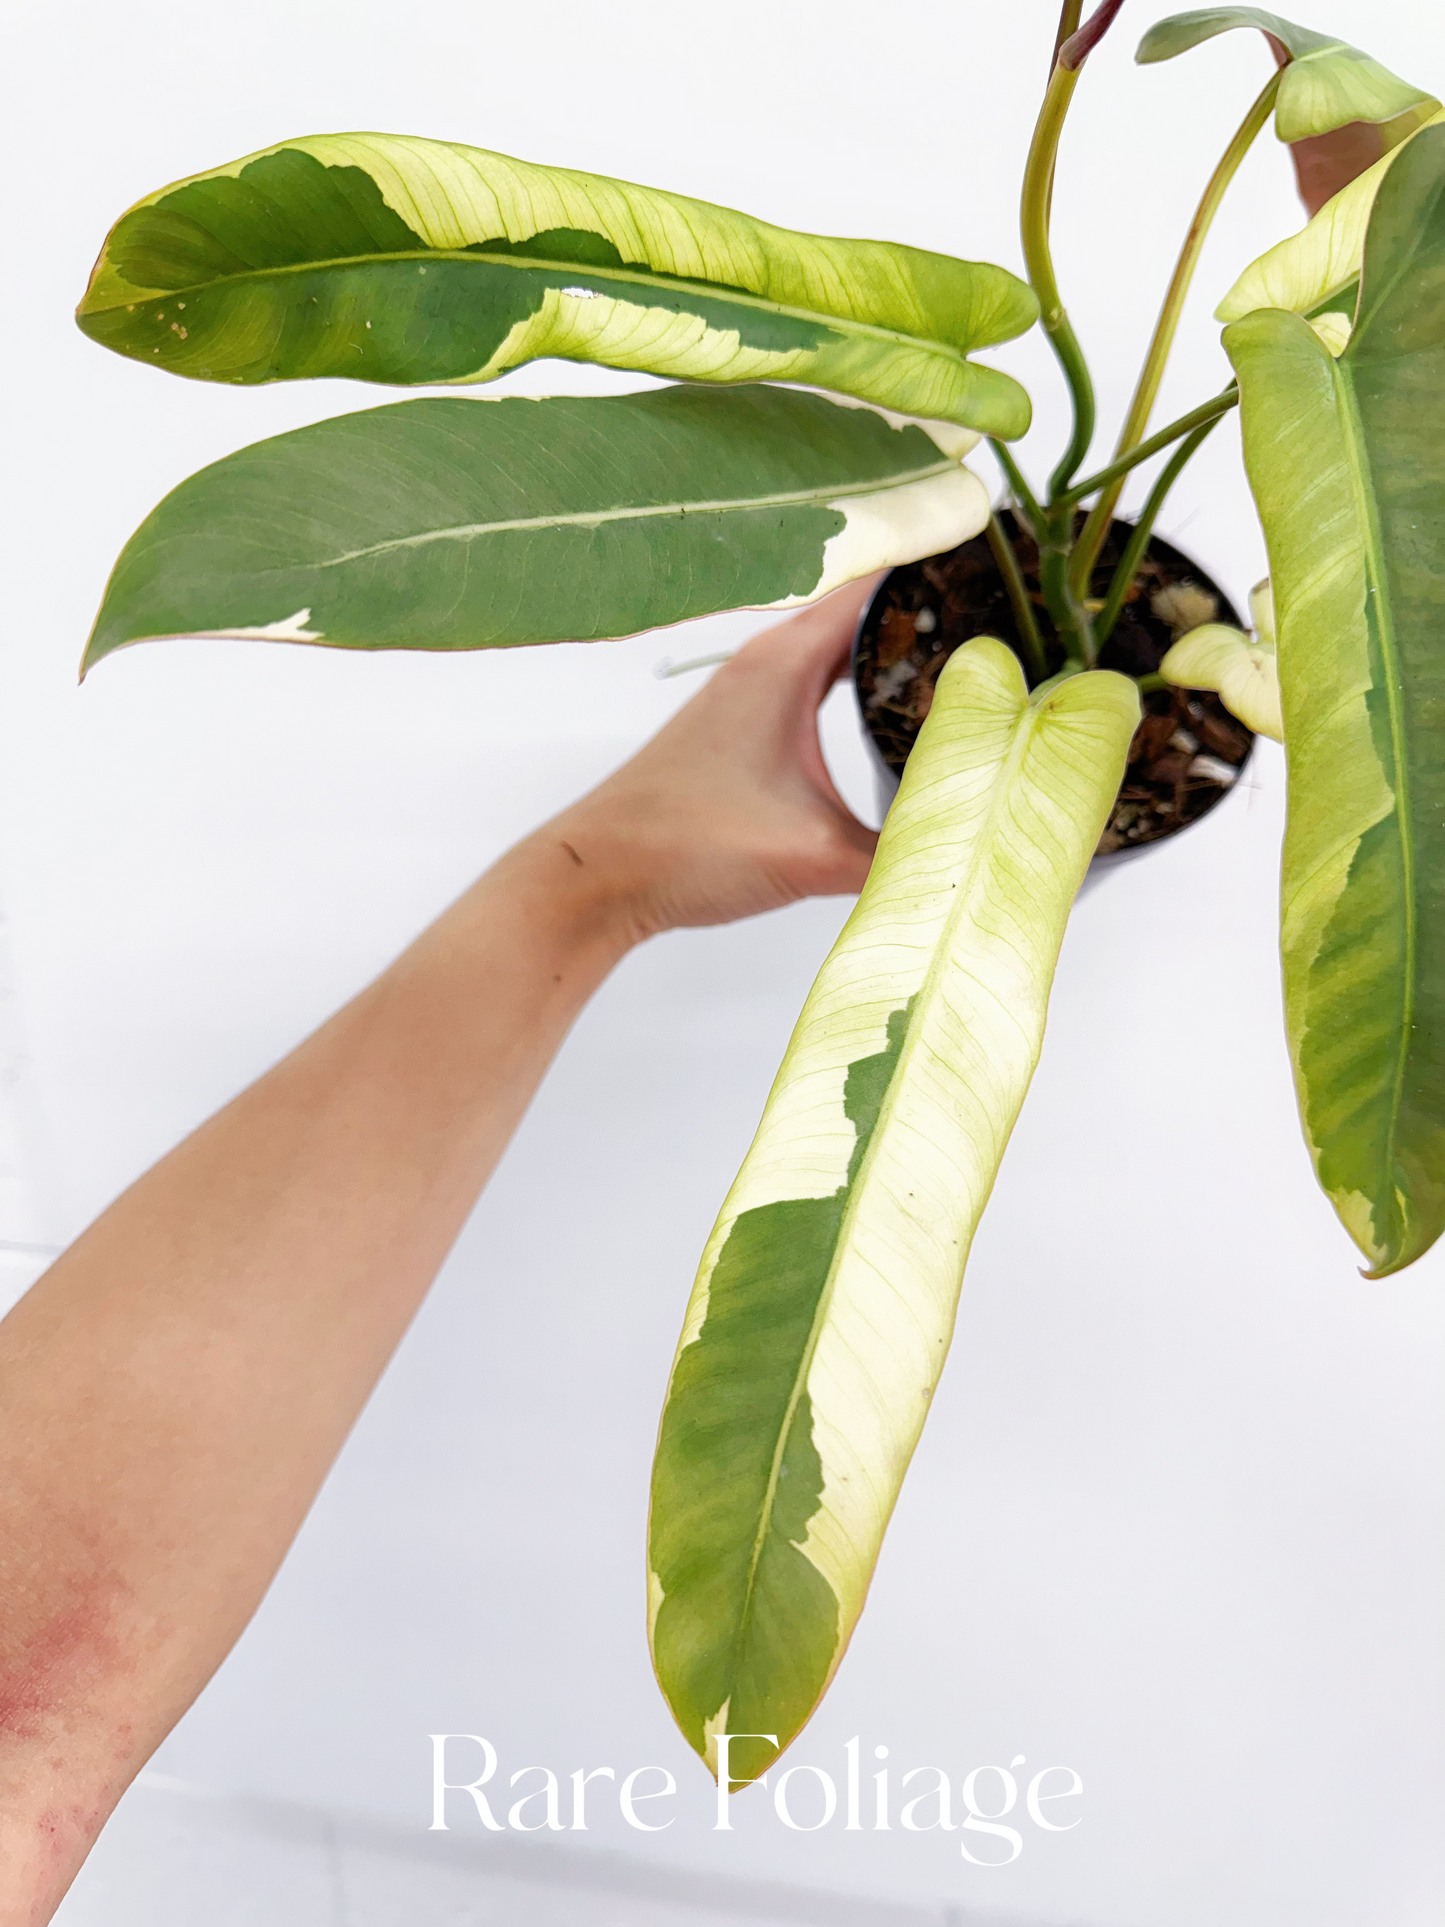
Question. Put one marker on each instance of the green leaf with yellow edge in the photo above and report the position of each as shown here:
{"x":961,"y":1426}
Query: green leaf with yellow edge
{"x":385,"y":258}
{"x":1326,"y":83}
{"x":452,"y":523}
{"x":825,"y":1303}
{"x":1346,"y":458}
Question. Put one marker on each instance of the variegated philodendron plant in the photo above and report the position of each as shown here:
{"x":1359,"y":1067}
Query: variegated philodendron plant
{"x":826,"y":390}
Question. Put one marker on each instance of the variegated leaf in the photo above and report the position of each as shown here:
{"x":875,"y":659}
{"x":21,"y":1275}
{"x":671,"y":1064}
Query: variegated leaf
{"x":1347,"y":461}
{"x":467,"y":524}
{"x":1322,"y":262}
{"x":824,"y":1307}
{"x":1242,"y":671}
{"x":385,"y":258}
{"x":1326,"y":84}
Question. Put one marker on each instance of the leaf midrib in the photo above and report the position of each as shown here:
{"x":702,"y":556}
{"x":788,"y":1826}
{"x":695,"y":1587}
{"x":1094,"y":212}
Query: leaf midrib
{"x":1023,"y":730}
{"x":823,"y":493}
{"x":583,"y":271}
{"x":1383,"y":627}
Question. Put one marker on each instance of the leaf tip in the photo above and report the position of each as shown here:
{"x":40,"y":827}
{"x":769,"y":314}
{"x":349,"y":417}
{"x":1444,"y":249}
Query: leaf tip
{"x":1396,"y":1262}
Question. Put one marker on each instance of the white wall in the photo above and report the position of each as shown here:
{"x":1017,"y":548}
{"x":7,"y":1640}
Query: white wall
{"x":1177,"y":1518}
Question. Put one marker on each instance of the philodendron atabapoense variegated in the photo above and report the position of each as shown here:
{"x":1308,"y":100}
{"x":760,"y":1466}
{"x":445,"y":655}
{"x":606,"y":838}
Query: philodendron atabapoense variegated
{"x":824,"y":392}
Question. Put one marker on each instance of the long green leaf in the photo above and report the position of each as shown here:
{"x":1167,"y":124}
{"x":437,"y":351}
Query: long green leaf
{"x":1313,"y":268}
{"x":1347,"y":461}
{"x":824,"y":1306}
{"x":1326,"y":83}
{"x":385,"y":258}
{"x":460,"y":524}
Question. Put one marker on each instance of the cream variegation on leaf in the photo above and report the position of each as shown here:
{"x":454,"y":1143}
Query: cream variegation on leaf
{"x":1242,"y":670}
{"x":452,"y":523}
{"x":1346,"y":457}
{"x":381,"y":257}
{"x":825,"y":1303}
{"x":1321,"y":263}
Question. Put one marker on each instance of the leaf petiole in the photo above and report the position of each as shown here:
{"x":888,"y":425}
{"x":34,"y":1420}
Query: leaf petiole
{"x":1146,"y":392}
{"x":1031,"y":643}
{"x":1068,"y":26}
{"x":1209,"y":412}
{"x":1024,"y":497}
{"x":1139,"y":541}
{"x":1034,"y":230}
{"x":1070,"y":616}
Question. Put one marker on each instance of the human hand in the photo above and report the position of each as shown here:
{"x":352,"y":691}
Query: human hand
{"x":730,"y":809}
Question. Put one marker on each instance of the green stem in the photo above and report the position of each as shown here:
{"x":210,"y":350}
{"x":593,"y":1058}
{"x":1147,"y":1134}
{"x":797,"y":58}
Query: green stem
{"x":1068,"y":25}
{"x":1031,"y":643}
{"x":1139,"y":541}
{"x":1034,"y":228}
{"x":1208,"y":411}
{"x":1152,"y":373}
{"x":1023,"y":495}
{"x":1070,"y":617}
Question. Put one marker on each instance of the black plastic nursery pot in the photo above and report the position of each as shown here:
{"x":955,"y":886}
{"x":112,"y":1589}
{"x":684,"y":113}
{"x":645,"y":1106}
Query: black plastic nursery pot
{"x":1188,"y":751}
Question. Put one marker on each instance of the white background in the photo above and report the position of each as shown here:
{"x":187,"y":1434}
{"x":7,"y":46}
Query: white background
{"x":1177,"y":1519}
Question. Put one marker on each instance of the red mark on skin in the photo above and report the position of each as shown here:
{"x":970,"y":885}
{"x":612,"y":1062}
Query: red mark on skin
{"x":57,"y":1665}
{"x":51,"y":1689}
{"x":60,"y":1632}
{"x":72,"y":1648}
{"x":50,"y":1858}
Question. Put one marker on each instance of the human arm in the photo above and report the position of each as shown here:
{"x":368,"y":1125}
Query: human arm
{"x":174,"y":1390}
